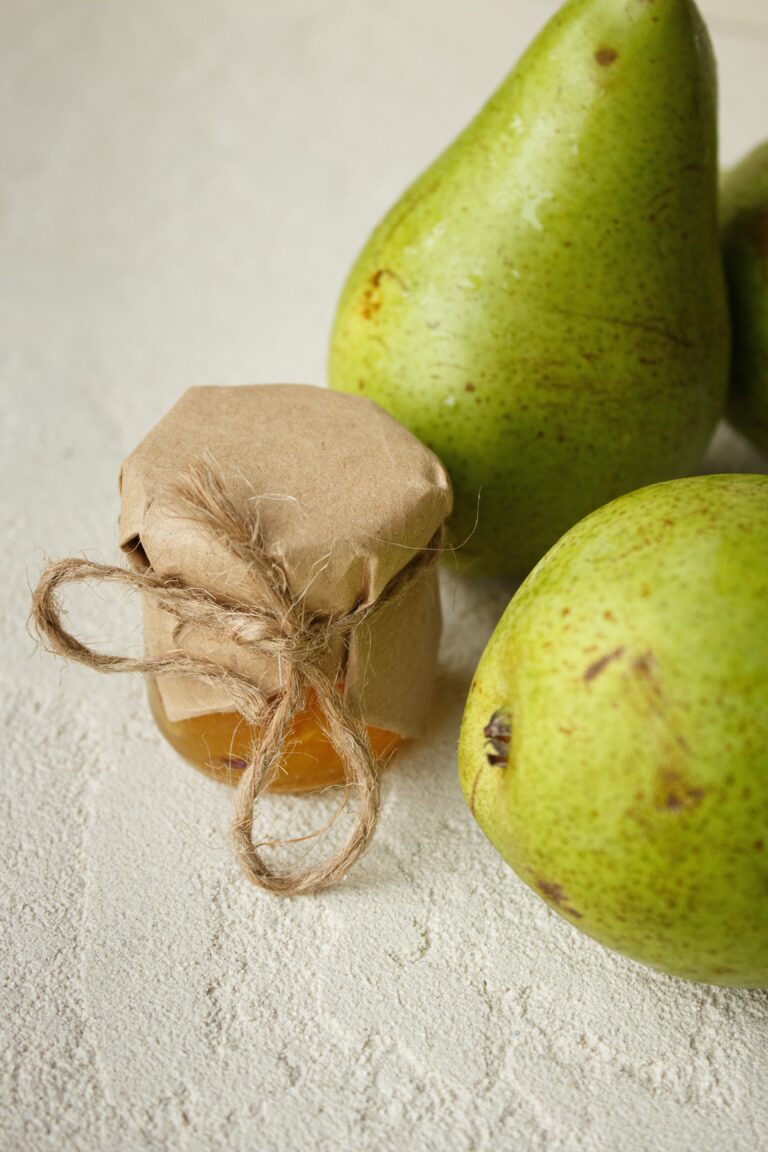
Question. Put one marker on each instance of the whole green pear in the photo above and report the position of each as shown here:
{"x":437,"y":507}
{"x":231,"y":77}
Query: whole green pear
{"x":744,"y":213}
{"x":614,"y":746}
{"x":545,"y":307}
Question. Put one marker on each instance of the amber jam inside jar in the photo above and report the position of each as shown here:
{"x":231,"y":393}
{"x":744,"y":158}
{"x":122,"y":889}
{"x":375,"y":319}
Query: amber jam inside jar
{"x":219,"y":744}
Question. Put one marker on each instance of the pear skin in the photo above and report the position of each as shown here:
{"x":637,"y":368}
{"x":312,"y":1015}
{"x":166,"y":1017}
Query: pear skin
{"x":614,"y":746}
{"x":545,"y":307}
{"x":744,"y":213}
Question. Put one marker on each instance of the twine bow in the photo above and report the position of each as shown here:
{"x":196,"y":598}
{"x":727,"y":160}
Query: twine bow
{"x":279,"y":627}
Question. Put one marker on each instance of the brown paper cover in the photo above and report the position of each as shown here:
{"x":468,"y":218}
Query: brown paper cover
{"x":346,"y":497}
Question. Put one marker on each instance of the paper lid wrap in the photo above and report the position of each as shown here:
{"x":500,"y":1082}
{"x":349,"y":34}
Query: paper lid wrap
{"x":346,"y":497}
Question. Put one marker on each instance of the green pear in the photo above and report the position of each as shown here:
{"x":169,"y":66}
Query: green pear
{"x":744,"y":214}
{"x":614,"y":746}
{"x":545,"y":307}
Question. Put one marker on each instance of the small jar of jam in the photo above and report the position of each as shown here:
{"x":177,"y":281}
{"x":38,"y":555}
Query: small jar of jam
{"x":345,"y":499}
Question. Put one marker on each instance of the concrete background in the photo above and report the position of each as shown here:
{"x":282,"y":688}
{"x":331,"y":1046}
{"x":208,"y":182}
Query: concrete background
{"x":183,"y":187}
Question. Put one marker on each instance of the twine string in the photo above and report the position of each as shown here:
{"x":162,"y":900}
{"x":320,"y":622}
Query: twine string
{"x":278,"y":627}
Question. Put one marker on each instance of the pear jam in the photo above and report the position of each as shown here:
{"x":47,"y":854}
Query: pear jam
{"x":219,"y":745}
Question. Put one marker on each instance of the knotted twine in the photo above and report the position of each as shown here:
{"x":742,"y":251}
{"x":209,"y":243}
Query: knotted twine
{"x":278,"y":627}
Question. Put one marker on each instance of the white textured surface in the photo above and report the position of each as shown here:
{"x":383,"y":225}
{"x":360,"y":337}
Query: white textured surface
{"x":183,"y":186}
